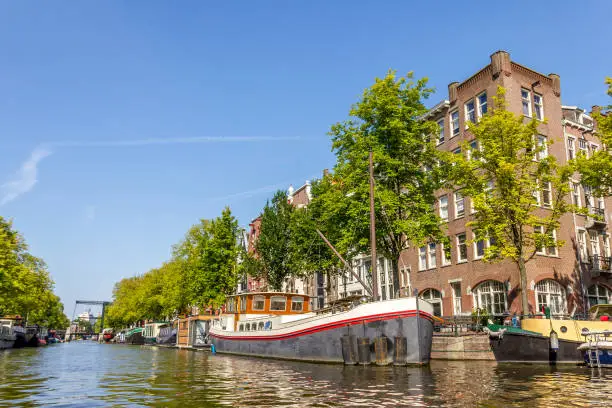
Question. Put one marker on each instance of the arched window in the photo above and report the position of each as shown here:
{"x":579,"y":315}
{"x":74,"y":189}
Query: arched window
{"x":599,"y":294}
{"x":550,"y":293}
{"x":434,"y":297}
{"x":260,"y":326}
{"x":491,"y":295}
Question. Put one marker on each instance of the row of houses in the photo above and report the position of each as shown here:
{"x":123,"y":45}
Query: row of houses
{"x":456,"y":280}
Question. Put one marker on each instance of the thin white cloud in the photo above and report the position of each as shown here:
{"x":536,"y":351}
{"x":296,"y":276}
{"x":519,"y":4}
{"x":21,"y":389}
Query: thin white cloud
{"x":271,"y":188}
{"x":173,"y":140}
{"x":26,"y":177}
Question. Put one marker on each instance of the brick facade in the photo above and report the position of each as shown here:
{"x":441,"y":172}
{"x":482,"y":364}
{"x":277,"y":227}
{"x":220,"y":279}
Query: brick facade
{"x":458,"y":283}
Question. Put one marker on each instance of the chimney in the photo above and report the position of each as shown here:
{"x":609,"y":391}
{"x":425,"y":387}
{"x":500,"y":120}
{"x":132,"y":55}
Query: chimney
{"x":500,"y":62}
{"x":595,"y":109}
{"x":325,"y":172}
{"x":556,"y":84}
{"x":452,"y":91}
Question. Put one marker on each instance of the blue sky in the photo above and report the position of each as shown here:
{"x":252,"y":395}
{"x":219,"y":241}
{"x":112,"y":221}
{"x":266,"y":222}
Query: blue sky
{"x":111,"y":113}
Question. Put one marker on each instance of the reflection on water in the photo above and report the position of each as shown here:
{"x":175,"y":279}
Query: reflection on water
{"x":90,"y":375}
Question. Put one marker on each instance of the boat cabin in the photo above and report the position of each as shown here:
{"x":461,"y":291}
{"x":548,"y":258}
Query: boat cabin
{"x":262,"y":311}
{"x":192,"y":331}
{"x":151,"y":330}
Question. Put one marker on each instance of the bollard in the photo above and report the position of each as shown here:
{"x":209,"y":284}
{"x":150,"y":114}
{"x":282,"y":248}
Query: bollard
{"x":380,"y":349}
{"x":213,"y":349}
{"x":364,"y":350}
{"x":400,"y":350}
{"x":349,"y":349}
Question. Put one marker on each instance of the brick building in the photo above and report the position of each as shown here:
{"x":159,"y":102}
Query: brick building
{"x":567,"y":279}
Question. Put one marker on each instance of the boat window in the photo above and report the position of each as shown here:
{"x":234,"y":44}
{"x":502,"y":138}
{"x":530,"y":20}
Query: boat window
{"x":278,"y":303}
{"x":231,"y":305}
{"x":243,"y":300}
{"x":259,"y":302}
{"x":260,"y":326}
{"x":297,"y":303}
{"x":247,"y":327}
{"x":241,"y":327}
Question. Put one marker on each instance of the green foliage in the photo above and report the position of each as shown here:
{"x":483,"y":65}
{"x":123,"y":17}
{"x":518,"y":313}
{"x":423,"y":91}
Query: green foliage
{"x":501,"y":177}
{"x":388,"y":120}
{"x":596,"y":170}
{"x":26,"y":287}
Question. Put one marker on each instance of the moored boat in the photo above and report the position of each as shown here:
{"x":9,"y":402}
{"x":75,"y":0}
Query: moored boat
{"x":281,"y":325}
{"x":7,"y":336}
{"x":546,"y":341}
{"x":166,"y":336}
{"x":107,"y":335}
{"x":134,"y":336}
{"x":151,"y":331}
{"x":597,"y":349}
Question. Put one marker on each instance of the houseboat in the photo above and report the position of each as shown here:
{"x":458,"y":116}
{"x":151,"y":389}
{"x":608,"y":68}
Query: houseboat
{"x":7,"y":335}
{"x":193,"y":331}
{"x":547,"y":341}
{"x":166,"y":336}
{"x":151,"y":331}
{"x":107,"y":335}
{"x":282,"y":325}
{"x":134,"y":336}
{"x":597,"y":349}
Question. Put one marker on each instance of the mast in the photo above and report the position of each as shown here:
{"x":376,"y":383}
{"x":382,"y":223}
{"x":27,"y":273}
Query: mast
{"x":373,"y":232}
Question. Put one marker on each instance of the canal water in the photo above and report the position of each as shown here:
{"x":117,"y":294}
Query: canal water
{"x":86,"y":374}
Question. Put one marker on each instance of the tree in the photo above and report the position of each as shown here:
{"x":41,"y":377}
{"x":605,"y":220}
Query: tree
{"x":274,"y":241}
{"x":596,"y":170}
{"x":502,"y":177}
{"x":388,"y":121}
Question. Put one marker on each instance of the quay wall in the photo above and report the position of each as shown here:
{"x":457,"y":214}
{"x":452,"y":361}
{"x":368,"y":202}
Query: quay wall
{"x":462,"y":347}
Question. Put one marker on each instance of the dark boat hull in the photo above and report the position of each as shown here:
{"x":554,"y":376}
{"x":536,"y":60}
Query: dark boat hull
{"x":325,"y":344}
{"x":135,"y":339}
{"x":530,"y":348}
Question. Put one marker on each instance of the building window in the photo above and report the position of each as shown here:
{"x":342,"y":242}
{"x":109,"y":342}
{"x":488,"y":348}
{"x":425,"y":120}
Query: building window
{"x":278,"y":303}
{"x":599,"y":295}
{"x":582,"y":245}
{"x":456,"y":286}
{"x":461,"y":248}
{"x":457,"y":151}
{"x":546,"y":194}
{"x":297,"y":303}
{"x":423,"y":258}
{"x":454,"y":116}
{"x":550,"y":293}
{"x":606,"y":244}
{"x":482,"y":104}
{"x":473,"y":148}
{"x":459,"y":205}
{"x":470,"y":111}
{"x":432,"y":254}
{"x":542,"y":150}
{"x":551,"y":249}
{"x":576,"y":194}
{"x":526,"y":100}
{"x":538,"y":106}
{"x":446,"y":254}
{"x":259,"y":303}
{"x":434,"y":297}
{"x":441,"y":131}
{"x":584,"y":147}
{"x":479,"y":248}
{"x":594,"y":243}
{"x":536,"y":196}
{"x":491,"y":295}
{"x":571,"y":148}
{"x":443,"y":207}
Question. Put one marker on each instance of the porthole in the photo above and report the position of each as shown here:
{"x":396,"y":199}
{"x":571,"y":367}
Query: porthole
{"x":563,"y":329}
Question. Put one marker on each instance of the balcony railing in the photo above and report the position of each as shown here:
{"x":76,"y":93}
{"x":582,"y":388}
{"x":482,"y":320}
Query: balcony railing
{"x":600,"y":264}
{"x":596,"y":218}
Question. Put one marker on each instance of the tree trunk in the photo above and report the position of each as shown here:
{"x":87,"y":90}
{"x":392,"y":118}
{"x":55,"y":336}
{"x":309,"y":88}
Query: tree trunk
{"x":523,"y":276}
{"x":396,"y":277}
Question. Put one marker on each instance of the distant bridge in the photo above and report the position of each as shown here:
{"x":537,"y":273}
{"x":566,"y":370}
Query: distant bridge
{"x":103,"y":303}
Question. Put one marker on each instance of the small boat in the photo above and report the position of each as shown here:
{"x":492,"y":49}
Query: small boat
{"x":32,"y":336}
{"x":15,"y":333}
{"x":597,"y":349}
{"x":546,"y":341}
{"x":107,"y":335}
{"x":151,"y":331}
{"x":134,"y":336}
{"x":281,"y":325}
{"x":166,"y":336}
{"x":7,"y":335}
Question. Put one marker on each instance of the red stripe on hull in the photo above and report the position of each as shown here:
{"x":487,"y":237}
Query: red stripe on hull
{"x":332,"y":325}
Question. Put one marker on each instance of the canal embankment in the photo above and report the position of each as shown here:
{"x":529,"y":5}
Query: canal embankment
{"x":461,"y":346}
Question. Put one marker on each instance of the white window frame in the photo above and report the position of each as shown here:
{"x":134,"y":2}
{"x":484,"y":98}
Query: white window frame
{"x":458,"y":245}
{"x":276,"y":298}
{"x":550,"y":289}
{"x":480,"y":105}
{"x":297,"y":300}
{"x":606,"y":295}
{"x":538,"y":229}
{"x":456,"y":201}
{"x":488,"y":295}
{"x":440,"y":206}
{"x":452,"y":124}
{"x":431,"y":255}
{"x":257,"y":298}
{"x":528,"y":101}
{"x":570,"y":148}
{"x":594,"y":240}
{"x":456,"y":292}
{"x":550,"y":194}
{"x":575,"y":193}
{"x":540,"y":105}
{"x":581,"y":238}
{"x":470,"y":115}
{"x":423,"y":258}
{"x":605,"y":239}
{"x":542,"y":140}
{"x":485,"y":245}
{"x":471,"y":147}
{"x":583,"y":147}
{"x":441,"y":135}
{"x":446,"y":261}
